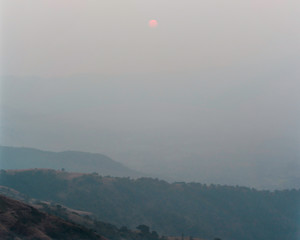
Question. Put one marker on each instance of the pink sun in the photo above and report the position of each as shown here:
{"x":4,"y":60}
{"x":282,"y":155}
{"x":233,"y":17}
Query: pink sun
{"x":153,"y":23}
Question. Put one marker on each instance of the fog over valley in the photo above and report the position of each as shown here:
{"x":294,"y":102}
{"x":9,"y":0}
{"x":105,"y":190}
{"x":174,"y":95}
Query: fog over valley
{"x":210,"y":94}
{"x":221,"y":127}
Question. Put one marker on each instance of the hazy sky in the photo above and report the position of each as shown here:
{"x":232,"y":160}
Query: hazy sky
{"x":216,"y":82}
{"x":60,"y":37}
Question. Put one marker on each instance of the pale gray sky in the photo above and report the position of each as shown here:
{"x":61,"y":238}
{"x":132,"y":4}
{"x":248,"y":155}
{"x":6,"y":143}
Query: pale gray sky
{"x":67,"y":37}
{"x":215,"y":85}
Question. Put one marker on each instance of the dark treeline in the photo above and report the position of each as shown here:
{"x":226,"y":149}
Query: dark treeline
{"x":194,"y":209}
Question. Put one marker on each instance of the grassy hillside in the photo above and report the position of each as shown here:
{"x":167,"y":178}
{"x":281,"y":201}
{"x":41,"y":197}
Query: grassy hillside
{"x":25,"y":158}
{"x":109,"y":231}
{"x":233,"y":213}
{"x":31,"y":222}
{"x":21,"y":221}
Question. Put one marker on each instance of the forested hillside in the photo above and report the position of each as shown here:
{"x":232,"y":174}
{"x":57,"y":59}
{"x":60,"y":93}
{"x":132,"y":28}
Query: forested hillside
{"x":233,"y":213}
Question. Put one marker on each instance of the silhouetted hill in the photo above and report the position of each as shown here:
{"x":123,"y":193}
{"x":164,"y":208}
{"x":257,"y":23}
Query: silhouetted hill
{"x":233,"y":213}
{"x":74,"y":161}
{"x":21,"y":221}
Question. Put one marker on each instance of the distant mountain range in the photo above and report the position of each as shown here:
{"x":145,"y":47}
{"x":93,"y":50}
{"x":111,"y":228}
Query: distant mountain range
{"x":73,"y":161}
{"x":199,"y":210}
{"x":275,"y":174}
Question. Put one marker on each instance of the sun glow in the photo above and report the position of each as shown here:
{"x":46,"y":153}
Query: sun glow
{"x":153,"y":23}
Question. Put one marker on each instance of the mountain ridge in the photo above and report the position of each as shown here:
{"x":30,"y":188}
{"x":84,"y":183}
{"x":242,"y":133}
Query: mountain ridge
{"x":73,"y":161}
{"x":199,"y":210}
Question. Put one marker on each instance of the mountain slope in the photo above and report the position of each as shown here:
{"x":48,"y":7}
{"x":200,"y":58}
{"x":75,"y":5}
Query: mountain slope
{"x":12,"y":212}
{"x":21,"y":221}
{"x":233,"y":213}
{"x":25,"y":158}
